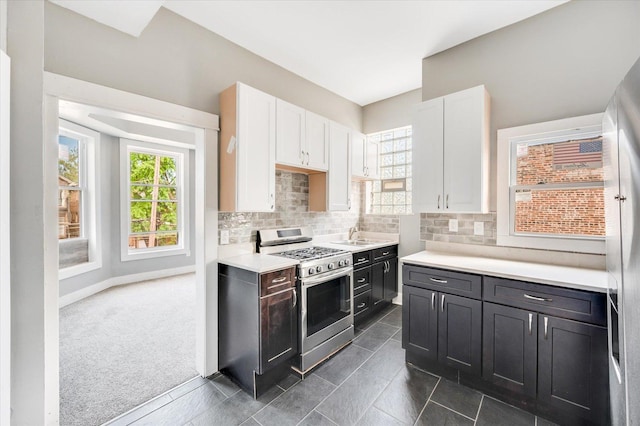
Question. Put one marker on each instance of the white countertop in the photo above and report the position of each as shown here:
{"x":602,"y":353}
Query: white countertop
{"x":328,"y":241}
{"x":259,"y":263}
{"x":561,"y":276}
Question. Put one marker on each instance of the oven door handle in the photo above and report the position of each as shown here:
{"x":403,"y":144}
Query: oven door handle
{"x":306,"y":282}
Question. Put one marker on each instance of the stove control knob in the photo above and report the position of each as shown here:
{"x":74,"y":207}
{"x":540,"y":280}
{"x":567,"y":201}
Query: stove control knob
{"x":347,"y":262}
{"x":311,"y":271}
{"x":341,"y":263}
{"x":318,"y":269}
{"x":331,"y":266}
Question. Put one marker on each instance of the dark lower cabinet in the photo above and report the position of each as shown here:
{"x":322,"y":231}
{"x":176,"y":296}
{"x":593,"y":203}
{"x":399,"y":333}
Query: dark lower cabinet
{"x":384,"y":280}
{"x":460,"y":333}
{"x":443,"y":327}
{"x":278,"y":328}
{"x":510,"y":348}
{"x":572,"y":368}
{"x":420,"y":322}
{"x":509,"y":340}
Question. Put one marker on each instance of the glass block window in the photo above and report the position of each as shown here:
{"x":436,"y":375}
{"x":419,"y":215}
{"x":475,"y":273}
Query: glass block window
{"x":392,"y":193}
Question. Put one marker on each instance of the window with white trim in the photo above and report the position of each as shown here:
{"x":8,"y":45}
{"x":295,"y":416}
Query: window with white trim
{"x":78,"y":200}
{"x":392,"y":193}
{"x":551,"y":186}
{"x":154,"y":194}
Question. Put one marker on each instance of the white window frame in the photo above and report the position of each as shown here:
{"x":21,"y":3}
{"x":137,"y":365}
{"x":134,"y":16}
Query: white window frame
{"x":547,"y":132}
{"x":182,"y":166}
{"x":89,"y":173}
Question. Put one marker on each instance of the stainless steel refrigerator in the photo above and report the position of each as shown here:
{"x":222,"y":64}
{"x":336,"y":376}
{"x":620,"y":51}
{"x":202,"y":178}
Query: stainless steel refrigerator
{"x":621,"y":130}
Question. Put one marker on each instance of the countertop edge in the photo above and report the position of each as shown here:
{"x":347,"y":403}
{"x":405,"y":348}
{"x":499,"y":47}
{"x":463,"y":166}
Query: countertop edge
{"x":420,"y":259}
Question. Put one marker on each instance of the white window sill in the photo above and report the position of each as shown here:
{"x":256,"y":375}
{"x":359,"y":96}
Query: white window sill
{"x":575,"y":245}
{"x":79,"y":269}
{"x":152,"y":254}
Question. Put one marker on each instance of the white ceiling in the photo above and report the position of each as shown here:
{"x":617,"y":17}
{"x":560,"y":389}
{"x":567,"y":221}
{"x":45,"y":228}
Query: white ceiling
{"x":362,"y":50}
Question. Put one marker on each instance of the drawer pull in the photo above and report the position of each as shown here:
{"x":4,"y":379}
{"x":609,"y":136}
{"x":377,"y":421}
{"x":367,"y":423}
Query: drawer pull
{"x":384,"y":253}
{"x":361,"y":259}
{"x":278,"y":280}
{"x":433,"y":301}
{"x":539,"y":299}
{"x":437,"y":280}
{"x":361,"y":280}
{"x":530,"y":320}
{"x":546,"y":326}
{"x":361,"y":305}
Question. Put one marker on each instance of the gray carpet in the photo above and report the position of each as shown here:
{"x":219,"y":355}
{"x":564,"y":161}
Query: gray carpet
{"x":124,"y":346}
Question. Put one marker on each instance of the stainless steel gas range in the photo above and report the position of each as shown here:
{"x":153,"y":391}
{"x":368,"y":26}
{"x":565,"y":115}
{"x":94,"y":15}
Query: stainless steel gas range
{"x":325,"y":285}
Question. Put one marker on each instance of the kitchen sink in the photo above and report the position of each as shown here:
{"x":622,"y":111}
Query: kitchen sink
{"x":360,"y":242}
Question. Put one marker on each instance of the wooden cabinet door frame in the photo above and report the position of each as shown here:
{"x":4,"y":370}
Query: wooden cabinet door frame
{"x":420,"y":322}
{"x":278,"y":328}
{"x":510,"y":348}
{"x":459,"y":335}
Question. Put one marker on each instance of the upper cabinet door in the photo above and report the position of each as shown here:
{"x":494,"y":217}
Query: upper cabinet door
{"x":317,"y":142}
{"x":372,"y":162}
{"x":256,"y":150}
{"x":466,"y":151}
{"x":358,"y":151}
{"x":428,"y":151}
{"x":290,"y":134}
{"x":339,"y":174}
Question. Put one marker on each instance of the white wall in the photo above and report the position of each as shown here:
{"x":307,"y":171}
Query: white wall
{"x":177,"y":61}
{"x":33,"y":191}
{"x":561,"y":63}
{"x":390,"y":113}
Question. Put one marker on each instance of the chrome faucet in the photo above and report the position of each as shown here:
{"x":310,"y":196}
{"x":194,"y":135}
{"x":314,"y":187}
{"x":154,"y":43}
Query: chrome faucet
{"x":352,"y":230}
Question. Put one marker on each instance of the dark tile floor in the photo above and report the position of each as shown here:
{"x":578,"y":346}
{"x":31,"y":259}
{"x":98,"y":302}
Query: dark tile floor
{"x":368,"y":383}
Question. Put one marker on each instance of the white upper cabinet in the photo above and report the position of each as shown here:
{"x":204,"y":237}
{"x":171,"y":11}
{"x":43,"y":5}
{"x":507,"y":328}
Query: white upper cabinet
{"x":247,"y":149}
{"x":364,"y":164}
{"x":339,"y":174}
{"x":290,"y":134}
{"x":317,"y":142}
{"x":451,"y":153}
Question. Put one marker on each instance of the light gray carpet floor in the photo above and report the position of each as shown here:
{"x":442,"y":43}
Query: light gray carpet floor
{"x":125,"y":345}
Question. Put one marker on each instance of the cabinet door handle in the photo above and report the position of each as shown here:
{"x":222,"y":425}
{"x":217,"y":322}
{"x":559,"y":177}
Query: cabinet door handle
{"x":308,"y":158}
{"x":439,"y":281}
{"x":442,"y":303}
{"x":433,"y":301}
{"x":447,"y":201}
{"x":438,"y":201}
{"x":361,"y":305}
{"x":349,"y":201}
{"x":388,"y":266}
{"x":272,"y":203}
{"x":530,"y":320}
{"x":539,"y":299}
{"x":546,"y":327}
{"x":361,"y":280}
{"x":302,"y":155}
{"x":295,"y":298}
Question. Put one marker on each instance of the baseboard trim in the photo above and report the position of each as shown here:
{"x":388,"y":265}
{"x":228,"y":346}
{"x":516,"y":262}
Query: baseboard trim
{"x":75,"y":296}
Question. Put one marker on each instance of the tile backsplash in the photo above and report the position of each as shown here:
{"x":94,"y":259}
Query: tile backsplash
{"x":292,"y":201}
{"x":435,"y":227}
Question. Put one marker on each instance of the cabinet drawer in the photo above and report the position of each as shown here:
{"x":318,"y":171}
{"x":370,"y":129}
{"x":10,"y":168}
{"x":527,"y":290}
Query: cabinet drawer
{"x":362,"y":258}
{"x":561,"y":302}
{"x":467,"y":285}
{"x":362,"y":303}
{"x":361,"y":280}
{"x":385,"y":253}
{"x":276,"y":281}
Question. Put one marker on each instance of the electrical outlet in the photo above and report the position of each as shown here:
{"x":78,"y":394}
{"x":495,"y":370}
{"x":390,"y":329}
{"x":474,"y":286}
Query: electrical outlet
{"x":224,"y":236}
{"x":478,"y":228}
{"x":453,"y":225}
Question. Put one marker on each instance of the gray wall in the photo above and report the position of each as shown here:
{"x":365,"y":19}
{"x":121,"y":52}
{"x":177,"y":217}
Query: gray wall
{"x":109,"y":192}
{"x":562,"y":63}
{"x":176,"y":61}
{"x":3,"y":25}
{"x":390,"y":113}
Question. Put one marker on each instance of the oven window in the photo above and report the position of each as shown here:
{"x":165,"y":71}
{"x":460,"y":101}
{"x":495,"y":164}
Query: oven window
{"x":327,"y":303}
